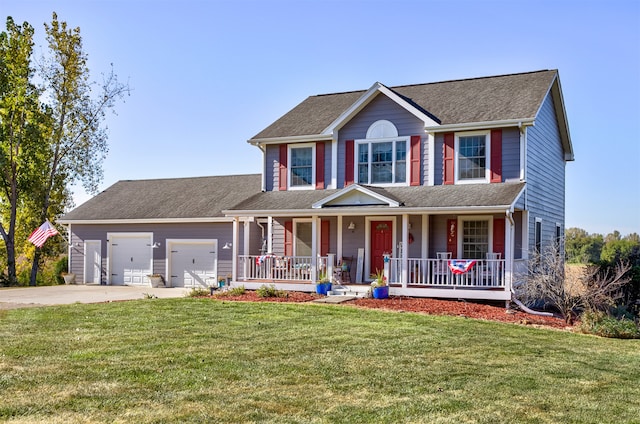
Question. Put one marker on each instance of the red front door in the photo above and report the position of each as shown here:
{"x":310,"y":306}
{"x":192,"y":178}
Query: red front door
{"x":381,"y":242}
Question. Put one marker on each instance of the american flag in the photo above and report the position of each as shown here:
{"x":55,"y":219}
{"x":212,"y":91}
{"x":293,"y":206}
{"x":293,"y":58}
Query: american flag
{"x":42,"y":233}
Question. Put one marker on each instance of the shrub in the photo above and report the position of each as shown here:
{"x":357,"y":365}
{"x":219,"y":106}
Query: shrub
{"x":60,"y":266}
{"x":603,"y":325}
{"x":198,"y":292}
{"x":270,"y":291}
{"x":236,"y":291}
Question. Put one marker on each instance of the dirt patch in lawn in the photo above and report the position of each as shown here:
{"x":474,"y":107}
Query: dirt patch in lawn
{"x":430,"y":306}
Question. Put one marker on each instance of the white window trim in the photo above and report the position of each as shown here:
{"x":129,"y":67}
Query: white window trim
{"x":311,"y":186}
{"x":462,"y":219}
{"x":369,"y":141}
{"x":487,"y":152}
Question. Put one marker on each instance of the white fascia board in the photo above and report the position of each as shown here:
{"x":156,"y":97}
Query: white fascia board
{"x":469,"y":126}
{"x":355,"y":187}
{"x":145,"y":221}
{"x":371,"y":211}
{"x":291,"y":139}
{"x":369,"y":95}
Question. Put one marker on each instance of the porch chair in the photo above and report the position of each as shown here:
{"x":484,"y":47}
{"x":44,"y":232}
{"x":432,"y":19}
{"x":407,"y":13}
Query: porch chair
{"x":344,"y":270}
{"x":490,"y":272}
{"x":441,"y":268}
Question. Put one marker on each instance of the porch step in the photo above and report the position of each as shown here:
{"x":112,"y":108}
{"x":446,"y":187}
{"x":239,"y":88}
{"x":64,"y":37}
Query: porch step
{"x":353,"y":291}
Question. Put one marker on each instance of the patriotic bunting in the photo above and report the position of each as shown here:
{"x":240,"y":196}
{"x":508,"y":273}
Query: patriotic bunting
{"x":42,"y":233}
{"x":460,"y":266}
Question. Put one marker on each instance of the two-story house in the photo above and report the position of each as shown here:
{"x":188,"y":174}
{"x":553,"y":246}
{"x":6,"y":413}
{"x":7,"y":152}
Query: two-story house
{"x":448,"y":186}
{"x":429,"y":173}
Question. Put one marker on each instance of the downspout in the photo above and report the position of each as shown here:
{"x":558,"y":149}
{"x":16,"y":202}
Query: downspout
{"x":263,"y":247}
{"x":514,"y":299}
{"x":263,"y":181}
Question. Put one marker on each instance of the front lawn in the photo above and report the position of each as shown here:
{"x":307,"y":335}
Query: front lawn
{"x":199,"y":360}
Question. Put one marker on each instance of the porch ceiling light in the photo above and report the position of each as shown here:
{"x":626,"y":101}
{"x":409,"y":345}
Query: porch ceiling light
{"x":351,"y":226}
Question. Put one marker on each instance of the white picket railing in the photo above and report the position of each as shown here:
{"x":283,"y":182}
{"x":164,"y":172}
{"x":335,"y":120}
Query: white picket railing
{"x":485,"y":273}
{"x":280,"y":268}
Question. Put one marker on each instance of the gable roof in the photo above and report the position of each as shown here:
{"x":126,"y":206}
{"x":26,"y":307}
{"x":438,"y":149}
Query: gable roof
{"x":434,"y":199}
{"x":179,"y":199}
{"x":497,"y":98}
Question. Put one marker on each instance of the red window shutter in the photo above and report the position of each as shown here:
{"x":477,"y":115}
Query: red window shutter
{"x":325,"y":233}
{"x":282,"y":169}
{"x":496,"y":156}
{"x":348,"y":163}
{"x":288,"y":238}
{"x":452,"y":237}
{"x":320,"y":165}
{"x":449,"y":159}
{"x":415,"y":160}
{"x":498,"y":236}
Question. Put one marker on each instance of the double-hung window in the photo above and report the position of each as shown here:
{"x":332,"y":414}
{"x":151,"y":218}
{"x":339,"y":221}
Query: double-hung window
{"x":472,"y":157}
{"x":382,"y":161}
{"x":301,"y":168}
{"x":475,"y":238}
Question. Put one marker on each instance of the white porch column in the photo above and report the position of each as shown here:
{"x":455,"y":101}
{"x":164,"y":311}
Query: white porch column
{"x":339,"y":238}
{"x":270,"y":234}
{"x":425,"y":237}
{"x":246,"y":233}
{"x":405,"y":250}
{"x":234,"y":250}
{"x":315,"y":240}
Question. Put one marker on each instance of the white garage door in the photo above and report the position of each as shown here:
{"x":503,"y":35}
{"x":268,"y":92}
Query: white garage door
{"x":130,"y":258}
{"x":193,"y":263}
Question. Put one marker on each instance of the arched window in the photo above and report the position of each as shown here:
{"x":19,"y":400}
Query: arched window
{"x":382,"y":156}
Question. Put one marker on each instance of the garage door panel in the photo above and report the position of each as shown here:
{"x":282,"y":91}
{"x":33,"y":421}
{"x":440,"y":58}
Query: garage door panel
{"x":193,"y":264}
{"x":131,"y":259}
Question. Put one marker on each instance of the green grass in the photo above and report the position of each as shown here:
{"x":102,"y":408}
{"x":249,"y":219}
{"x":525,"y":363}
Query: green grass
{"x":197,"y":360}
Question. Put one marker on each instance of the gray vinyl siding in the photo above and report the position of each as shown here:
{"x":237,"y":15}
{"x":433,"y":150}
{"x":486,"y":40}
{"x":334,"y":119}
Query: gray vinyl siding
{"x":223,"y":232}
{"x":272,"y":165}
{"x":510,"y":154}
{"x":545,"y":192}
{"x":379,"y":108}
{"x":438,"y":233}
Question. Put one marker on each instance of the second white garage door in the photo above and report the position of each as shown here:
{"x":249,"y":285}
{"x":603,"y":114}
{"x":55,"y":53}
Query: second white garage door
{"x":193,"y":263}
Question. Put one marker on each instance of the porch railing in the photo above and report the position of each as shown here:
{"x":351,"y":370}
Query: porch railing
{"x":280,"y":268}
{"x":485,"y":273}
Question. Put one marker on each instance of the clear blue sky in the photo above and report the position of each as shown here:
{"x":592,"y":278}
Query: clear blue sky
{"x":208,"y":75}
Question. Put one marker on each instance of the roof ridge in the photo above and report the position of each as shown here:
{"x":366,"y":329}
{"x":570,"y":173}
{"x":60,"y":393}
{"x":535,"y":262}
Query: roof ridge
{"x":438,"y":82}
{"x":191,"y":178}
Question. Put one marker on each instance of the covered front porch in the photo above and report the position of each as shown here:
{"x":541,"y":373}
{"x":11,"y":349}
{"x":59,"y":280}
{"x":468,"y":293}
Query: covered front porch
{"x":425,"y":249}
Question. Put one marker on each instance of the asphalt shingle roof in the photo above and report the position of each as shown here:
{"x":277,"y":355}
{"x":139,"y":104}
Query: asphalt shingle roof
{"x":497,"y":98}
{"x":435,"y":197}
{"x":200,"y":197}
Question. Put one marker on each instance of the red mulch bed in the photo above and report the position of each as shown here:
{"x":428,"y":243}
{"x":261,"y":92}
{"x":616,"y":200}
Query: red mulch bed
{"x":430,"y":306}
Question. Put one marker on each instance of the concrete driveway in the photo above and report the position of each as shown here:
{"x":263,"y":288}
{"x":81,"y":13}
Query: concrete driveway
{"x":11,"y":298}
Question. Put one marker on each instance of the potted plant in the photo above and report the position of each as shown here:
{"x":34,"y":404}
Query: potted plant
{"x":379,"y":286}
{"x":69,"y":277}
{"x":323,"y":284}
{"x":156,"y":280}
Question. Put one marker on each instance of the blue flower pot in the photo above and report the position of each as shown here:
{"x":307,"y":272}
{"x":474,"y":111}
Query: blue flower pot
{"x":381,"y":292}
{"x":323,"y":288}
